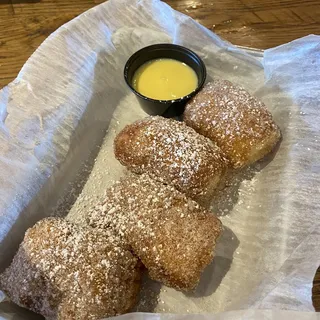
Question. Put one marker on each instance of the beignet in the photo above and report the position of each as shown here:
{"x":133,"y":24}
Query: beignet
{"x":62,"y":271}
{"x":172,"y":235}
{"x":236,"y":121}
{"x":172,"y":153}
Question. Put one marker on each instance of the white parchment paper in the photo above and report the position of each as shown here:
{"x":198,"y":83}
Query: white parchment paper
{"x":59,"y":118}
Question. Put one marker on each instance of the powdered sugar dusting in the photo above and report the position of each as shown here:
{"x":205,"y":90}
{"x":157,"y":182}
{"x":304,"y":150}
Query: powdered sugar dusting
{"x":239,"y":123}
{"x":63,"y":271}
{"x":166,"y":230}
{"x":172,"y":153}
{"x":106,"y":169}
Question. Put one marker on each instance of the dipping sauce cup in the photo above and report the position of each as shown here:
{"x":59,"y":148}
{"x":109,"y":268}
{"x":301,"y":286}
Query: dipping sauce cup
{"x":168,"y":108}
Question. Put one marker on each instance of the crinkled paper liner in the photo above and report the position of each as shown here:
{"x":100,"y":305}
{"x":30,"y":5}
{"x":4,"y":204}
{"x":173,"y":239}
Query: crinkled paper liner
{"x":59,"y":118}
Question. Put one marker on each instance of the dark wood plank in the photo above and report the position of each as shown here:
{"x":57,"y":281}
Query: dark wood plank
{"x":24,"y":24}
{"x":316,"y":291}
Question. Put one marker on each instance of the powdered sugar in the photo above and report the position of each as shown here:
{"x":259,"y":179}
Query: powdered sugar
{"x":62,"y":270}
{"x":165,"y":229}
{"x":239,"y":123}
{"x":172,"y":153}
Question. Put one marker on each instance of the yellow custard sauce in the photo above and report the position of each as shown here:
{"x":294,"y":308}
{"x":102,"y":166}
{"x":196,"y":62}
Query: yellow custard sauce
{"x":165,"y":79}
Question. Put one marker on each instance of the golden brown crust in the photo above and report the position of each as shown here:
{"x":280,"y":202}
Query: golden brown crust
{"x":172,"y":235}
{"x":240,"y":124}
{"x":66,"y":272}
{"x":172,"y":153}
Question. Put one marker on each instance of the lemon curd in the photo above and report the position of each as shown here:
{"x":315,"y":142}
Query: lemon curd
{"x":165,"y":79}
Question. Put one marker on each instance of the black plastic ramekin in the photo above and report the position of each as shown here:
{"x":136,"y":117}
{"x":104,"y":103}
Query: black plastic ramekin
{"x":168,"y":108}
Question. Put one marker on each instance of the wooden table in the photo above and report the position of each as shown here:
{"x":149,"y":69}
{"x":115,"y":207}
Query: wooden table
{"x":24,"y":24}
{"x":316,"y":291}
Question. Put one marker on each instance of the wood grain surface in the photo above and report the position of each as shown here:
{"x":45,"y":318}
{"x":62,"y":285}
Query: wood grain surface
{"x":24,"y":24}
{"x":316,"y":291}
